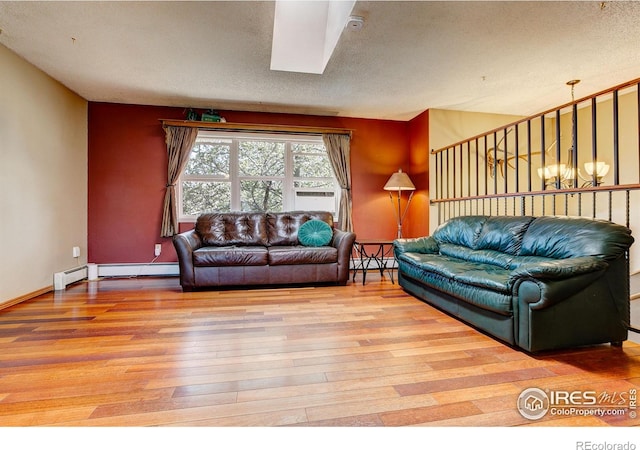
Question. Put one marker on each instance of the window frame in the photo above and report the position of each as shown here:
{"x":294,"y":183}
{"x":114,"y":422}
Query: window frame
{"x":289,"y":191}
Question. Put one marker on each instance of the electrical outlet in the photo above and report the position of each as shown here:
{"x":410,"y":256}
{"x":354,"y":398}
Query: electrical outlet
{"x":76,"y":252}
{"x":157,"y":250}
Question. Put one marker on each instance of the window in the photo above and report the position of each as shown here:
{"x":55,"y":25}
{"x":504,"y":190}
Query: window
{"x":251,"y":172}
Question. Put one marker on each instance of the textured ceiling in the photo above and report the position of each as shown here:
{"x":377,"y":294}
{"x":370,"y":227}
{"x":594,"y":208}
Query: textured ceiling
{"x":497,"y":57}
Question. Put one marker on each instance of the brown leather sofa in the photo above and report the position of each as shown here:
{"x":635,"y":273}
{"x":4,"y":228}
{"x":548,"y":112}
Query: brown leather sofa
{"x":260,"y":249}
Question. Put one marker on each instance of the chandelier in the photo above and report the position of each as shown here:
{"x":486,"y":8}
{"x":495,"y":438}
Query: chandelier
{"x":563,"y":176}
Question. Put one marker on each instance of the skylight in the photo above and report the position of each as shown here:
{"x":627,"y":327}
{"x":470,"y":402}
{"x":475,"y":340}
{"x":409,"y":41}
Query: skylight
{"x":305,"y":33}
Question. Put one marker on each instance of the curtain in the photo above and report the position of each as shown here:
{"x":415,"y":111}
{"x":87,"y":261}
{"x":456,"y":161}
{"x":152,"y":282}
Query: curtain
{"x":339,"y":151}
{"x":179,"y":141}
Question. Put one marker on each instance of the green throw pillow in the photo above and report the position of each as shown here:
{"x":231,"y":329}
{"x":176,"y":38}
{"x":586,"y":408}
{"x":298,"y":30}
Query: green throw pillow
{"x":315,"y":233}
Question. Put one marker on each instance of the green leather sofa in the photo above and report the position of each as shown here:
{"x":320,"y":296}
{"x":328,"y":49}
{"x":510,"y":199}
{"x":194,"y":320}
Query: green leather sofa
{"x":538,"y":283}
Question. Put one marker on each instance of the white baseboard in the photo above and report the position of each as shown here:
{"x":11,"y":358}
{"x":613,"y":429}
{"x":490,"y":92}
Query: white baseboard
{"x":92,"y":271}
{"x":136,"y":270}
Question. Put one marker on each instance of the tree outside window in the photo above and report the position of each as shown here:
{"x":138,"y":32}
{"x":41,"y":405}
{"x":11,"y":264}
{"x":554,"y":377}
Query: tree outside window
{"x":245,"y":172}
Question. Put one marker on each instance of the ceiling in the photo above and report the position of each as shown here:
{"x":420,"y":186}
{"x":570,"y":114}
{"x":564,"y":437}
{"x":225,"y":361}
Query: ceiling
{"x":496,"y":57}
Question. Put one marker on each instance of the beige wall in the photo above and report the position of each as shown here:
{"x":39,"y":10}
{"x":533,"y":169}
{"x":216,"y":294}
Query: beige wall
{"x":629,"y":170}
{"x":447,"y":127}
{"x":43,"y":177}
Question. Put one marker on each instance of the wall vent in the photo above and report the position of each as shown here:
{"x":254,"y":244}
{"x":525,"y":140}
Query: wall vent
{"x":62,"y":279}
{"x":309,"y":200}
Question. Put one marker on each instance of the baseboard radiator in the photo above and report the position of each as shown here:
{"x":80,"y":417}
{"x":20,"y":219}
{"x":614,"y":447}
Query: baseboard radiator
{"x":136,"y":270}
{"x":94,"y":271}
{"x":62,"y":279}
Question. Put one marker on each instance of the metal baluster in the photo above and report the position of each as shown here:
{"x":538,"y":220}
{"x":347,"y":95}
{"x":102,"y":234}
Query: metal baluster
{"x":543,"y":156}
{"x":594,"y":140}
{"x":505,"y":164}
{"x":448,"y":172}
{"x":529,"y":155}
{"x":516,"y":163}
{"x":574,"y":141}
{"x":477,"y":170}
{"x":469,"y":168}
{"x":486,"y":167}
{"x":580,"y":204}
{"x":461,"y":172}
{"x":616,"y":140}
{"x":495,"y":163}
{"x":558,"y":155}
{"x":453,"y":172}
{"x":439,"y":175}
{"x":628,"y":210}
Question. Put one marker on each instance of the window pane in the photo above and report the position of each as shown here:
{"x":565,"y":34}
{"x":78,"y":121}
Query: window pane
{"x":255,"y":172}
{"x":199,"y":197}
{"x":261,"y":159}
{"x":261,"y":195}
{"x":308,"y":148}
{"x":311,"y":166}
{"x":209,"y":158}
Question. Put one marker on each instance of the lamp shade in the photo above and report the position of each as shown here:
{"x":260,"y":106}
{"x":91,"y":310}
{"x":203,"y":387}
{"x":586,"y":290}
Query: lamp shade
{"x":600,"y":168}
{"x":399,"y":181}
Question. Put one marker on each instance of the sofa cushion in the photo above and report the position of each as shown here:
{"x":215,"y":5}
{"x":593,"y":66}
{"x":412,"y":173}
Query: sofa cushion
{"x":460,"y":230}
{"x":315,"y":233}
{"x":503,"y":234}
{"x":282,"y":228}
{"x":477,"y":256}
{"x":488,"y":276}
{"x":284,"y":255}
{"x":230,"y":256}
{"x":484,"y":286}
{"x":235,"y":228}
{"x":567,"y":237}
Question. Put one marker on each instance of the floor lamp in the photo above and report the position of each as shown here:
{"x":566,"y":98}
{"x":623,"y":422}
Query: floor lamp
{"x":399,"y":182}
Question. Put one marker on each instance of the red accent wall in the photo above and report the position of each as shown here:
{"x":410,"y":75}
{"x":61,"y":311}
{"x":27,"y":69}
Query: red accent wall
{"x":419,"y":151}
{"x":128,"y":170}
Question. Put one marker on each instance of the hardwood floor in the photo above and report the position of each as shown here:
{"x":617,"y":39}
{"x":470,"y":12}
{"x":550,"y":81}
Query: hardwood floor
{"x":139,"y":352}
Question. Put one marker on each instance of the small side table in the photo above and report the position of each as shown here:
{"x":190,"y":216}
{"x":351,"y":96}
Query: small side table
{"x":378,"y":250}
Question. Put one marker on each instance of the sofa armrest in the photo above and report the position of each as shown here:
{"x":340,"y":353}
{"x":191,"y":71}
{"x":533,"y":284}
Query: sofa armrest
{"x":185,"y":244}
{"x":545,"y":284}
{"x":426,"y":244}
{"x":343,"y":241}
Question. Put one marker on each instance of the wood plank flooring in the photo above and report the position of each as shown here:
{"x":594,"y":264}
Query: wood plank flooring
{"x":140,"y":352}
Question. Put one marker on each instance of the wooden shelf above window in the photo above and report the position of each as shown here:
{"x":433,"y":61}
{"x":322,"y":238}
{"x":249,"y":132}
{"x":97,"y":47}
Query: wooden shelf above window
{"x":254,"y":128}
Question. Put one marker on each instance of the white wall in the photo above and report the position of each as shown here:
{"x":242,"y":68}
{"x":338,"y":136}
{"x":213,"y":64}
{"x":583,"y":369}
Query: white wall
{"x":43,"y":177}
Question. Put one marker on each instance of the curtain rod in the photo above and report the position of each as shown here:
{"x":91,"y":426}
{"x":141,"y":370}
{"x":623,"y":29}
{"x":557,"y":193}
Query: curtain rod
{"x":254,"y":128}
